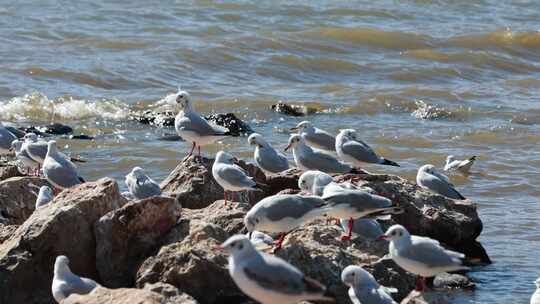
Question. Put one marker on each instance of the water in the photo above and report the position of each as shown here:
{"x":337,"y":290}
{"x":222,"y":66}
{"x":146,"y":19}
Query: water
{"x":418,"y":80}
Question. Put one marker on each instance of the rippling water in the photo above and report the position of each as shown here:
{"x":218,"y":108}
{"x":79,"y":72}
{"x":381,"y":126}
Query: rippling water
{"x":418,"y":80}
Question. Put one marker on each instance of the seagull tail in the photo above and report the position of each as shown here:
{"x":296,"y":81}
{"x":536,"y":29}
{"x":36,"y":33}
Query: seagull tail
{"x":388,"y":162}
{"x":387,"y":211}
{"x":473,"y":158}
{"x":82,"y":180}
{"x":317,"y":291}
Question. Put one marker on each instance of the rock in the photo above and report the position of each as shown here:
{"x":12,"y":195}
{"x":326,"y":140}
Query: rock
{"x":8,"y":170}
{"x":230,"y":218}
{"x":192,"y":265}
{"x":81,"y":137}
{"x":452,"y":222}
{"x":452,"y":281}
{"x":193,"y":184}
{"x":102,"y":295}
{"x":15,"y":131}
{"x":166,"y":119}
{"x":414,"y":297}
{"x":291,"y":110}
{"x":126,"y":236}
{"x":64,"y":227}
{"x":54,"y":129}
{"x":282,"y":181}
{"x":18,"y":198}
{"x":6,"y":231}
{"x":171,"y":293}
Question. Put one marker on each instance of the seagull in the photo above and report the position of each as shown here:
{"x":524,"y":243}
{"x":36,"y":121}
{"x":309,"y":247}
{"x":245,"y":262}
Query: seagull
{"x":44,"y":196}
{"x":428,"y":178}
{"x":463,"y":166}
{"x":281,"y":213}
{"x":314,"y":181}
{"x":141,"y":186}
{"x":266,"y":157}
{"x":535,"y":298}
{"x":308,"y":159}
{"x":6,"y":138}
{"x":365,"y":228}
{"x":230,"y":176}
{"x":66,"y":282}
{"x":267,"y":278}
{"x":355,"y":203}
{"x":315,"y":137}
{"x":260,"y":240}
{"x":37,"y":149}
{"x":357,"y":152}
{"x":422,"y":256}
{"x":194,"y":128}
{"x":58,"y":170}
{"x":364,"y":289}
{"x":23,"y":157}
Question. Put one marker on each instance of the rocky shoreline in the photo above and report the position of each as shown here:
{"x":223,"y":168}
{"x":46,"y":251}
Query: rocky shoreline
{"x":161,"y":250}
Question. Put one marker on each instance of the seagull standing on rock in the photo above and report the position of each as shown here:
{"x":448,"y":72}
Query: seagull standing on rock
{"x":194,"y":128}
{"x":141,"y":186}
{"x":308,"y":159}
{"x":364,"y":289}
{"x":6,"y":138}
{"x":315,"y":137}
{"x":463,"y":166}
{"x":22,"y":155}
{"x":422,"y":256}
{"x":535,"y":298}
{"x":281,"y":213}
{"x":230,"y":176}
{"x":267,"y":278}
{"x":313,"y":182}
{"x":58,"y":170}
{"x":66,"y":282}
{"x":357,"y":152}
{"x":428,"y":178}
{"x":266,"y":157}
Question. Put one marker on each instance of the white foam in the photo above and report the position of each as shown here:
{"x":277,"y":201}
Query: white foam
{"x":37,"y":106}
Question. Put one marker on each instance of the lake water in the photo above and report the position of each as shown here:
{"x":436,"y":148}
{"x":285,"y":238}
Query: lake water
{"x":418,"y":79}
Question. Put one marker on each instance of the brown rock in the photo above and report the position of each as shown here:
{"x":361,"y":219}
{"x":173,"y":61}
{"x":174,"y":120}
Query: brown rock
{"x":171,"y":293}
{"x":193,"y":266}
{"x":6,"y":231}
{"x":8,"y":170}
{"x":126,"y":236}
{"x":64,"y":227}
{"x":102,"y":295}
{"x":17,"y":198}
{"x":230,"y":218}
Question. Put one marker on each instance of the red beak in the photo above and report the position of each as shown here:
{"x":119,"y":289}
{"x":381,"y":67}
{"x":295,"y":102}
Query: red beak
{"x":287,"y":148}
{"x":382,"y":237}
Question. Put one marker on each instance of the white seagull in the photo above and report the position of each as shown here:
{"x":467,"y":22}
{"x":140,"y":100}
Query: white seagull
{"x":27,"y":162}
{"x":266,"y":157}
{"x":194,"y":128}
{"x":535,"y":298}
{"x":44,"y":196}
{"x":463,"y":166}
{"x":6,"y":138}
{"x":315,"y":137}
{"x":364,"y":289}
{"x":66,"y":282}
{"x":422,"y":256}
{"x":267,"y":278}
{"x":429,"y":178}
{"x":230,"y":176}
{"x":58,"y":170}
{"x":356,"y":152}
{"x":308,"y":159}
{"x":141,"y":186}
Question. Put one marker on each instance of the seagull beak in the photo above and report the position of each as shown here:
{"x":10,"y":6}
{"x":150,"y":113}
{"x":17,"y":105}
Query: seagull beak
{"x":249,"y":235}
{"x":382,"y":237}
{"x":287,"y":148}
{"x":294,"y":129}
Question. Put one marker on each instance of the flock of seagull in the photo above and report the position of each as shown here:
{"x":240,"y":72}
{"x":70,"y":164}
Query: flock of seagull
{"x":260,"y":275}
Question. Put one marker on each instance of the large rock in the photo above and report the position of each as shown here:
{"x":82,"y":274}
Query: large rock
{"x":64,"y":227}
{"x":195,"y":187}
{"x":18,"y":198}
{"x":171,"y":293}
{"x":6,"y":231}
{"x":453,"y":222}
{"x":126,"y":236}
{"x":193,"y":266}
{"x":102,"y":295}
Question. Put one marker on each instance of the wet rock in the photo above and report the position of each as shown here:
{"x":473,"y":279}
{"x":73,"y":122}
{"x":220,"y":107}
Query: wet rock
{"x":171,"y":293}
{"x":452,"y":281}
{"x":64,"y":227}
{"x":52,"y":129}
{"x":236,"y":126}
{"x":452,"y":222}
{"x":193,"y":184}
{"x":290,"y":110}
{"x":81,"y":137}
{"x":18,"y":198}
{"x":414,"y":297}
{"x":8,"y":170}
{"x":192,"y":265}
{"x":102,"y":295}
{"x":126,"y":236}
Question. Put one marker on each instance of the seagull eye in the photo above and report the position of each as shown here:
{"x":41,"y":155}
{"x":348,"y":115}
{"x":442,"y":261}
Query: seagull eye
{"x":353,"y":274}
{"x":240,"y":246}
{"x":393,"y":233}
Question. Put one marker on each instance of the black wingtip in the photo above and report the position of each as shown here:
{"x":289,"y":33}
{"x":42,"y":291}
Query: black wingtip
{"x":473,"y":158}
{"x":82,"y":180}
{"x":388,"y":162}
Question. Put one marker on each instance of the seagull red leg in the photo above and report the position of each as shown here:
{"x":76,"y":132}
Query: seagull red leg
{"x":225,"y":196}
{"x":420,"y":284}
{"x":192,"y":149}
{"x":349,"y":232}
{"x":279,"y":243}
{"x":199,"y":148}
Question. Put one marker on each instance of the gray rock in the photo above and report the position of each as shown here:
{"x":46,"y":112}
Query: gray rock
{"x":452,"y":281}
